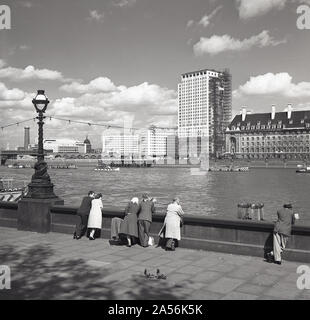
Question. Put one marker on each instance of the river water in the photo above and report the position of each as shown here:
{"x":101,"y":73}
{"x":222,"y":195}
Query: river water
{"x":216,"y":194}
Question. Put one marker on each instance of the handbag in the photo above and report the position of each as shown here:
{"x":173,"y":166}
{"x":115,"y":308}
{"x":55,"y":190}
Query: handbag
{"x":151,"y":241}
{"x":181,"y":222}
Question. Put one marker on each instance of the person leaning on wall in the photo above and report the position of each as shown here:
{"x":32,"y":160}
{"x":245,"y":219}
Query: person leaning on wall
{"x":281,"y":233}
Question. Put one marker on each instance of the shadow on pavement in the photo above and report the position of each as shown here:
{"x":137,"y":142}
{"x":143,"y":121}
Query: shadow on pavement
{"x":37,"y":274}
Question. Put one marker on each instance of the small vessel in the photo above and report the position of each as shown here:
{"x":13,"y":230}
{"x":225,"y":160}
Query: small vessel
{"x":10,"y":193}
{"x":303,"y":169}
{"x":106,"y":168}
{"x":229,"y":169}
{"x":16,"y":166}
{"x":63,"y":166}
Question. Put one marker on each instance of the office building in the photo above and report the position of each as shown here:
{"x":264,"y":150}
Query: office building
{"x":204,"y":110}
{"x":283,"y":135}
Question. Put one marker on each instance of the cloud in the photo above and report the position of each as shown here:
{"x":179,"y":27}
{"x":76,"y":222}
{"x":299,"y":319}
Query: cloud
{"x":217,"y":44}
{"x":94,"y":15}
{"x":97,"y":85}
{"x":206,"y":19}
{"x":252,"y":8}
{"x":29,"y":73}
{"x":10,"y":94}
{"x":190,"y":23}
{"x":2,"y":63}
{"x":26,"y":4}
{"x":124,"y":3}
{"x":145,"y":103}
{"x":270,"y":84}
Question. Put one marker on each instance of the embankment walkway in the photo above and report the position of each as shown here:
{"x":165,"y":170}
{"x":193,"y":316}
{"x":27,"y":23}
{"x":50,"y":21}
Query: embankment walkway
{"x":54,"y":266}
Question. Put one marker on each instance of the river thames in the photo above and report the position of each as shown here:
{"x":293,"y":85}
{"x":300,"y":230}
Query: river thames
{"x":217,"y":193}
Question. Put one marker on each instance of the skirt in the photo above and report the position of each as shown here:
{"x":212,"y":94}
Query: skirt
{"x":130,"y":225}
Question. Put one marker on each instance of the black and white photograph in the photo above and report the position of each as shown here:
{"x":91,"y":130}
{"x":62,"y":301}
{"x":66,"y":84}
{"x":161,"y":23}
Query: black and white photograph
{"x":156,"y":151}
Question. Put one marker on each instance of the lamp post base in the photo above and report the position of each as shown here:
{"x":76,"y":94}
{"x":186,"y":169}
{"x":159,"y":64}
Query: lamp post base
{"x":34,"y":214}
{"x":41,"y":191}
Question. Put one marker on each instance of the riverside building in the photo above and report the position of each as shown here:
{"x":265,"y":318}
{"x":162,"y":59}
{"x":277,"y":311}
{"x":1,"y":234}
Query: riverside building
{"x":284,"y":135}
{"x":204,"y":112}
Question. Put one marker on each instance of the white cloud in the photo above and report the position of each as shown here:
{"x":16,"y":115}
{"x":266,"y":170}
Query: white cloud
{"x":270,"y":83}
{"x":146,"y":103}
{"x":100,"y":84}
{"x":252,"y":8}
{"x":125,"y":3}
{"x":2,"y":63}
{"x":10,"y":94}
{"x":190,"y":23}
{"x":217,"y":44}
{"x":29,"y":73}
{"x":26,"y":4}
{"x":206,"y":19}
{"x":96,"y":16}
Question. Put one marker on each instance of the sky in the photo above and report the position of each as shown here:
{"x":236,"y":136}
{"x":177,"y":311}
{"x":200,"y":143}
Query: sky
{"x":110,"y":61}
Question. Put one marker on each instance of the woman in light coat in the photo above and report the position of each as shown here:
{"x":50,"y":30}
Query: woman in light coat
{"x":95,"y":216}
{"x":171,"y":230}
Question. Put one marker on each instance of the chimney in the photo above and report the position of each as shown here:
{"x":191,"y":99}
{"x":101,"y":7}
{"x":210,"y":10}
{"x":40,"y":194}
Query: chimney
{"x":243,"y":113}
{"x":289,"y":111}
{"x":273,"y":111}
{"x":26,"y":138}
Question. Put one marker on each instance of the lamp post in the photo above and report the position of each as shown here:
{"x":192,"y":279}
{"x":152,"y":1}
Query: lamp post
{"x":40,"y":186}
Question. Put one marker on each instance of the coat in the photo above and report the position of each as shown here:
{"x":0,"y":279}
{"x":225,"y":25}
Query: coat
{"x":95,"y":215}
{"x":85,"y":206}
{"x":146,"y":211}
{"x":171,"y":227}
{"x":130,"y":224}
{"x":285,"y":221}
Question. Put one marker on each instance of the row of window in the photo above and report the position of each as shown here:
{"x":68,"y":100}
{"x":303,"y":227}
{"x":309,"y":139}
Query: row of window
{"x":283,"y":137}
{"x":266,"y":127}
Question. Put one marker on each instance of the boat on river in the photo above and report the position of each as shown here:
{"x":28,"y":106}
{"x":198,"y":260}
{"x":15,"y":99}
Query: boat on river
{"x":303,"y":169}
{"x":106,"y":168}
{"x":16,"y":166}
{"x":229,"y":169}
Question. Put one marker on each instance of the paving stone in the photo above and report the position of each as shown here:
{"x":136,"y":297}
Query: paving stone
{"x":190,"y":270}
{"x":225,"y":285}
{"x":178,"y":263}
{"x":204,"y":295}
{"x":239,"y":296}
{"x":207,"y":262}
{"x":223,"y":268}
{"x":245,"y":272}
{"x":176,"y":277}
{"x":251,"y":289}
{"x":206,"y":276}
{"x":283,"y":290}
{"x":265,"y":280}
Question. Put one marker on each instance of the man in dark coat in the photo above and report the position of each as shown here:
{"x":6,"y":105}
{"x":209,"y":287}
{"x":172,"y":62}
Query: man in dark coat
{"x":82,"y":215}
{"x":281,"y":233}
{"x":147,"y":208}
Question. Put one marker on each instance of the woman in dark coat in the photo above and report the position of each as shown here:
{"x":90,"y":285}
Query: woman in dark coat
{"x":129,"y":226}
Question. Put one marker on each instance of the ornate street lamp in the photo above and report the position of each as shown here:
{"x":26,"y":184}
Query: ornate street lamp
{"x":40,"y":186}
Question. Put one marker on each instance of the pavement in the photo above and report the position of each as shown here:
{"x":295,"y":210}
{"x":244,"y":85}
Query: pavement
{"x":54,"y":266}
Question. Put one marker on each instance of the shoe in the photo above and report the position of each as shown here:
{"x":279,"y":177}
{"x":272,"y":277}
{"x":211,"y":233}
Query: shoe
{"x":78,"y":238}
{"x":91,"y":238}
{"x":74,"y":235}
{"x":269,"y":258}
{"x":278,"y":262}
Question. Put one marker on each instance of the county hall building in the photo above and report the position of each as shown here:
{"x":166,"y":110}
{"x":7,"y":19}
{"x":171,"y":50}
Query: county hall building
{"x":284,"y":135}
